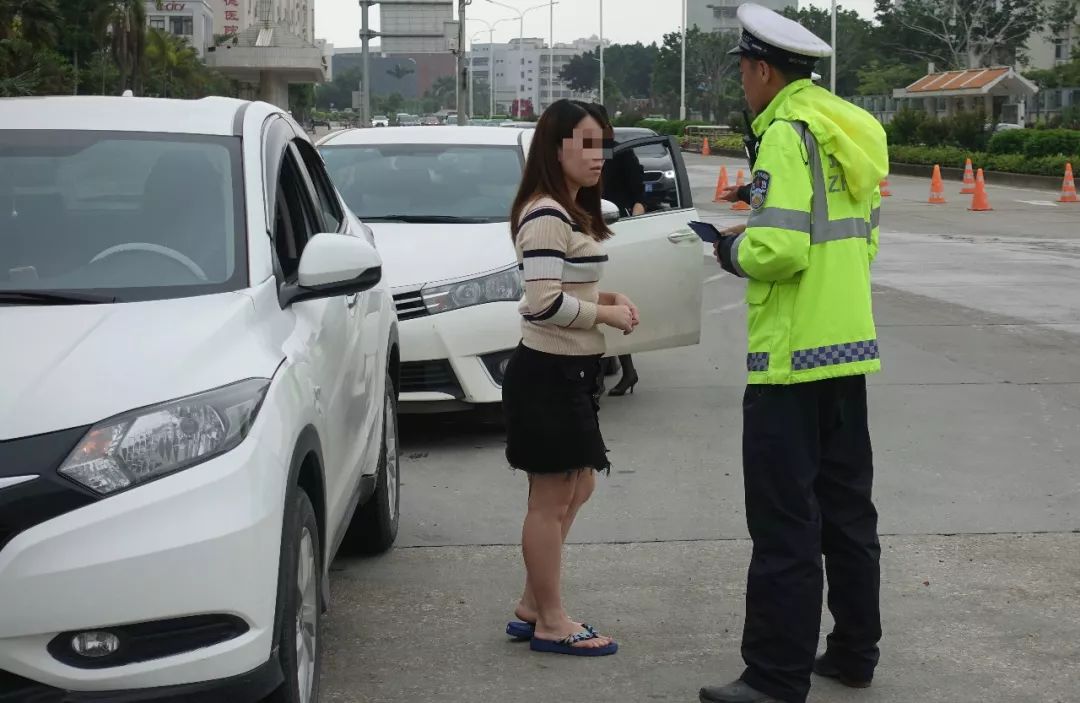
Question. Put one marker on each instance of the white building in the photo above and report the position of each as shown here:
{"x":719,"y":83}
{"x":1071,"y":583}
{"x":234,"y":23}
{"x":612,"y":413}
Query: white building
{"x":521,"y":70}
{"x":720,"y":15}
{"x":192,"y":20}
{"x":1050,"y":50}
{"x":271,"y":45}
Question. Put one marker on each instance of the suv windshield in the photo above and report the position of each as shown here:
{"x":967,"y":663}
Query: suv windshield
{"x":130,"y":216}
{"x":416,"y":181}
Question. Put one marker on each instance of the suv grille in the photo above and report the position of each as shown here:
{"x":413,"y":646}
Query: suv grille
{"x":436,"y":376}
{"x":410,"y":305}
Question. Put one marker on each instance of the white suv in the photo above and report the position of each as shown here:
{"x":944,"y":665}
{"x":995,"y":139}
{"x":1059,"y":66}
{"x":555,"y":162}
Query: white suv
{"x":199,"y":388}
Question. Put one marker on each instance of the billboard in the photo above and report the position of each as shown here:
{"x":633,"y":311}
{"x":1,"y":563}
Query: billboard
{"x":414,"y":26}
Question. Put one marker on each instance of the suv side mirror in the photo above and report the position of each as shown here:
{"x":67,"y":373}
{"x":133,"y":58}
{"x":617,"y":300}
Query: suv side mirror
{"x":610,"y":211}
{"x":334,"y":265}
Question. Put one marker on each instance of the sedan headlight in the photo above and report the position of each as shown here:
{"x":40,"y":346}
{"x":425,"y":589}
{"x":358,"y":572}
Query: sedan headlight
{"x":670,"y":175}
{"x":501,"y":285}
{"x":146,"y":444}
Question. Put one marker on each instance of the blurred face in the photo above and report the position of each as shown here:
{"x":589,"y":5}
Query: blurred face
{"x":755,"y":82}
{"x":582,"y":154}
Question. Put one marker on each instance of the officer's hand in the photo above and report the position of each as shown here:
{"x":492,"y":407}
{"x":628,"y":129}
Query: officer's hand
{"x":736,"y":230}
{"x":730,"y":195}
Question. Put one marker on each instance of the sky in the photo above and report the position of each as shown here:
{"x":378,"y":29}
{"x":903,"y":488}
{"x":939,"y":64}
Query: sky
{"x":625,"y":21}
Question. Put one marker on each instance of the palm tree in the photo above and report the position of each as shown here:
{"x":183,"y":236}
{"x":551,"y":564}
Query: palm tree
{"x":36,"y":21}
{"x":123,"y":24}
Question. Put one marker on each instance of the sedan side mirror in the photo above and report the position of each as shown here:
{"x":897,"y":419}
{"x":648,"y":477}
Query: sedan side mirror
{"x":610,"y":211}
{"x":334,"y":265}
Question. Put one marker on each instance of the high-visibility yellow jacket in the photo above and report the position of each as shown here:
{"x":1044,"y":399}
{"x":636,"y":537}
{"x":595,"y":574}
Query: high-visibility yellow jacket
{"x":810,"y":238}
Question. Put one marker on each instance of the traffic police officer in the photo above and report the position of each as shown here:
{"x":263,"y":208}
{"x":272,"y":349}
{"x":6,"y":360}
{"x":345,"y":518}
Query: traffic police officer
{"x":806,"y":252}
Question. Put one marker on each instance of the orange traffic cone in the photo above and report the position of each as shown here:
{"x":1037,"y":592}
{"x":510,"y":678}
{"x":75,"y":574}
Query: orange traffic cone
{"x":937,"y":188}
{"x":721,"y":185}
{"x":705,"y":150}
{"x":979,"y":201}
{"x":738,"y":204}
{"x":884,"y":186}
{"x":969,"y":179}
{"x":1068,"y":187}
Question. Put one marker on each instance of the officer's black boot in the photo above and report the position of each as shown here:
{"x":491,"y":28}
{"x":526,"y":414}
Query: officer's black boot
{"x":735,"y":692}
{"x":825,"y":666}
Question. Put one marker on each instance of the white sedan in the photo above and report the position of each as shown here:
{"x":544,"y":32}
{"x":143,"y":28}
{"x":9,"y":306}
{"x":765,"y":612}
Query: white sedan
{"x":438,"y":200}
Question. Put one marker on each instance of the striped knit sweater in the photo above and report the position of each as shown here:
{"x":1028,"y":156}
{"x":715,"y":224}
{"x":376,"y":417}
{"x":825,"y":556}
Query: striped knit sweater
{"x":562,"y":268}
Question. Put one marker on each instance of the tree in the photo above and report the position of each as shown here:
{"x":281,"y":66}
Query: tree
{"x":859,"y":48}
{"x":169,"y":57}
{"x":962,"y":33}
{"x":878,"y":79}
{"x":629,"y":67}
{"x":36,"y":21}
{"x":123,"y":24}
{"x":400,"y":70}
{"x":442,"y":93}
{"x":582,"y":72}
{"x":712,"y":84}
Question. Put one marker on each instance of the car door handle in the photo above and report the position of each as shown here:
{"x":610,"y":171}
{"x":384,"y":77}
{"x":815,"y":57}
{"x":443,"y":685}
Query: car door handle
{"x":351,"y":300}
{"x":680,"y":237}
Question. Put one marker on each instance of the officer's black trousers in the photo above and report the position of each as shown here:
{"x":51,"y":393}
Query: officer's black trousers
{"x":808,"y":472}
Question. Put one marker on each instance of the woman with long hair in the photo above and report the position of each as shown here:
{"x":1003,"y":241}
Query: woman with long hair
{"x":553,"y":433}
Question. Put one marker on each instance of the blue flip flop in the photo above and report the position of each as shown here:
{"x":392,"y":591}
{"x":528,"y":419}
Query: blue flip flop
{"x":520,"y":630}
{"x":566,"y":645}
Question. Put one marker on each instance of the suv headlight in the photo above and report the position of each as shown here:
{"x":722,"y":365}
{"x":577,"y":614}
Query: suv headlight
{"x":146,"y":444}
{"x":670,"y":175}
{"x":501,"y":285}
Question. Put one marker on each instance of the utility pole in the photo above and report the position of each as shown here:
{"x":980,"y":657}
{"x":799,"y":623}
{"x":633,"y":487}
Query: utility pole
{"x":365,"y":53}
{"x":832,"y":61}
{"x":601,"y":52}
{"x":682,"y":84}
{"x":551,"y":54}
{"x":461,"y":70}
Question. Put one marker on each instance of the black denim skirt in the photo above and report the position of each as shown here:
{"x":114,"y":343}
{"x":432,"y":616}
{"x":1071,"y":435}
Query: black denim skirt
{"x":551,"y":415}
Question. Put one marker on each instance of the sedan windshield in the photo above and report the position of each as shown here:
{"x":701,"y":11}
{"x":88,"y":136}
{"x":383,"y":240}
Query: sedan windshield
{"x":652,"y":151}
{"x":87,"y":215}
{"x":426,"y":182}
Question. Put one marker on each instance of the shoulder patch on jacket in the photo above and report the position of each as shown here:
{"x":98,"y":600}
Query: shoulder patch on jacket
{"x":759,"y":188}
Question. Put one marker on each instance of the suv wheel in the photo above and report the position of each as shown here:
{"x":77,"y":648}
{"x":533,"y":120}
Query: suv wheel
{"x":299,"y":641}
{"x":375,"y":525}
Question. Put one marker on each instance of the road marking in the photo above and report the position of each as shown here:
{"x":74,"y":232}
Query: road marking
{"x":1044,"y":203}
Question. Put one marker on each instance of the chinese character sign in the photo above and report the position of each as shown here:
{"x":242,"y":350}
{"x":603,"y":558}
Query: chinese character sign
{"x":228,"y":16}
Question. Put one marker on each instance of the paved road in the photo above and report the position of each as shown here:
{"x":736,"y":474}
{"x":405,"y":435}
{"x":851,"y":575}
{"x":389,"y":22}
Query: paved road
{"x":976,"y":424}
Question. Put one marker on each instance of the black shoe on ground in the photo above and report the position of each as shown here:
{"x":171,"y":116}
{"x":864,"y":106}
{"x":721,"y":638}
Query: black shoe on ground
{"x":735,"y":692}
{"x":824,"y":666}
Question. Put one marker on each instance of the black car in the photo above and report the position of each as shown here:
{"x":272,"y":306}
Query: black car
{"x":660,"y":188}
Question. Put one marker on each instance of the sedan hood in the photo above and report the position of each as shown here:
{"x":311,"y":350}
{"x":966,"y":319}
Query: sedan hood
{"x":72,"y":365}
{"x":417,"y":254}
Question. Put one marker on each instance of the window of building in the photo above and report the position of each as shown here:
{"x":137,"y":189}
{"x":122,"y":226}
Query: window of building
{"x":157,"y":22}
{"x":1061,"y":50}
{"x":182,"y":25}
{"x":725,"y":12}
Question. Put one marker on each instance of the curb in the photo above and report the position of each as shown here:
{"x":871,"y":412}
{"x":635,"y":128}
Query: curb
{"x":997,"y":177}
{"x":1001,"y":178}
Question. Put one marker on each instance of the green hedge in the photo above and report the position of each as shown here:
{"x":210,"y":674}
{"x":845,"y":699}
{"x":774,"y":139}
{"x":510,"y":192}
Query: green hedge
{"x":673,"y":128}
{"x":1036,"y":142}
{"x":1051,"y":165}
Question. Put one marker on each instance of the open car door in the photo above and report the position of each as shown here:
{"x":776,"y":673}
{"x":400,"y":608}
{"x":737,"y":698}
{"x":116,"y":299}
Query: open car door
{"x":655,"y":258}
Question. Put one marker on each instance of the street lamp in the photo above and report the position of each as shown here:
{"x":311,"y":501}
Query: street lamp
{"x":490,"y":59}
{"x":521,"y":38}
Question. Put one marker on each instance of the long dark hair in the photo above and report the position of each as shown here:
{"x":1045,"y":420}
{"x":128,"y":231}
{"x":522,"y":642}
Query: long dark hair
{"x":543,"y":174}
